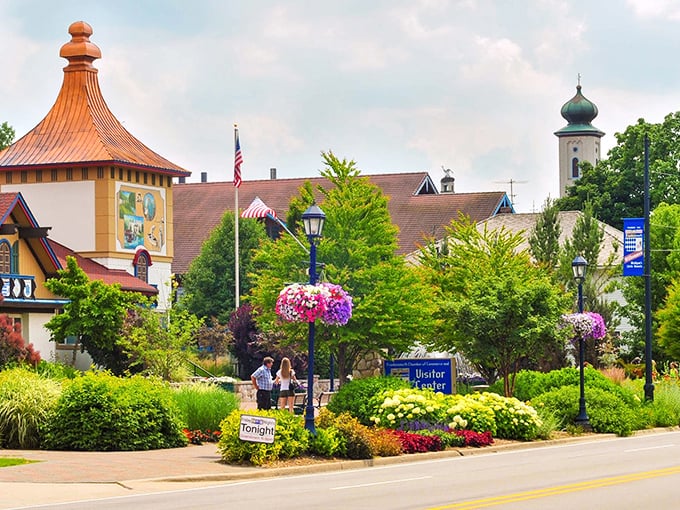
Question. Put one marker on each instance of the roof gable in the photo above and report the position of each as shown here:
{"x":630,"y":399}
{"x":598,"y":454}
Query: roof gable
{"x":15,"y":216}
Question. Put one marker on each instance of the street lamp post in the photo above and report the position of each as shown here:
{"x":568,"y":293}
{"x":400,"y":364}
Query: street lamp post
{"x":313,"y":219}
{"x":578,"y":266}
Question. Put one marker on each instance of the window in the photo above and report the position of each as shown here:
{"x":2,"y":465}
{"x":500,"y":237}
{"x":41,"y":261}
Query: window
{"x":5,"y":257}
{"x":142,"y":267}
{"x":153,"y":179}
{"x":8,"y":178}
{"x":146,"y":178}
{"x":160,"y":180}
{"x":14,"y":258}
{"x":69,"y":174}
{"x":38,"y":176}
{"x":84,"y":173}
{"x":55,"y":175}
{"x":24,"y":176}
{"x":574,"y":168}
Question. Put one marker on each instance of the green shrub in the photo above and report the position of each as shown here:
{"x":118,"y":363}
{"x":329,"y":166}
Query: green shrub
{"x":58,"y":371}
{"x":514,"y":419}
{"x":402,"y":407}
{"x":328,"y":442}
{"x":356,"y":436}
{"x":665,"y":409}
{"x":100,"y":412}
{"x":26,"y":401}
{"x":549,"y":423}
{"x":204,"y":406}
{"x":469,"y":413}
{"x":291,"y":439}
{"x":529,"y":384}
{"x":383,"y":443}
{"x":607,"y":412}
{"x":449,"y":439}
{"x":354,"y":397}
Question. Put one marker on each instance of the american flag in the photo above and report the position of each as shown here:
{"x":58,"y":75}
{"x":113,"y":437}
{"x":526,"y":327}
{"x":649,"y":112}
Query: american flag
{"x":238,"y":159}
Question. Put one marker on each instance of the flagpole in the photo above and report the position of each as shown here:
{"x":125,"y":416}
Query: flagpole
{"x":237,"y":183}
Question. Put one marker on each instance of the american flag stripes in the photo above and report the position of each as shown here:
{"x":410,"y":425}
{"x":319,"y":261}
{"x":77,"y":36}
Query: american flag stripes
{"x":238,"y":159}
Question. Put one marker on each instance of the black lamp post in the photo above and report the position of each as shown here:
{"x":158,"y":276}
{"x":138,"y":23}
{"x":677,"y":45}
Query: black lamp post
{"x":578,"y":266}
{"x":313,"y":219}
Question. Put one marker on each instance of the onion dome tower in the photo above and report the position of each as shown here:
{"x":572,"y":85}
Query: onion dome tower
{"x":579,"y":140}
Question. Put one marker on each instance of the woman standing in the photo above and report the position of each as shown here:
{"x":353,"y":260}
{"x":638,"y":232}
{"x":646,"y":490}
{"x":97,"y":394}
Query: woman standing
{"x":284,"y":376}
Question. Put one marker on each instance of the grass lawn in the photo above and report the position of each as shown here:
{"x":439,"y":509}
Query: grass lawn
{"x":9,"y":461}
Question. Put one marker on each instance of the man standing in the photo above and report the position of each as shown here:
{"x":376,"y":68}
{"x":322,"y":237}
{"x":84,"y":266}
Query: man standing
{"x":262,"y":381}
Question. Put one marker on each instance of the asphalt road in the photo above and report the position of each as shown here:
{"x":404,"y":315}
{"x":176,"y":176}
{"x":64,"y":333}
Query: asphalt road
{"x":619,"y":473}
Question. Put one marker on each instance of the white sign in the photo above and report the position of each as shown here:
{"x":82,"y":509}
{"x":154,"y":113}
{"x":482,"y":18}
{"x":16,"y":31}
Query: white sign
{"x":257,"y":429}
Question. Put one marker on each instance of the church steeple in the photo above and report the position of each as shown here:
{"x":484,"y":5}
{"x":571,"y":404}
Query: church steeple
{"x":579,"y":140}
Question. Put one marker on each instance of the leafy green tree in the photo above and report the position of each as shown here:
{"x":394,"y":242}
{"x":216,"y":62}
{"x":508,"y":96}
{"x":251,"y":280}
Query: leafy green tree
{"x":94,"y":315}
{"x":544,"y":241}
{"x":159,"y":343}
{"x":392,"y":306}
{"x":587,"y":240}
{"x":668,"y":317}
{"x":6,"y":135}
{"x":665,"y":263}
{"x":495,"y":306}
{"x":615,"y":185}
{"x":209,"y":283}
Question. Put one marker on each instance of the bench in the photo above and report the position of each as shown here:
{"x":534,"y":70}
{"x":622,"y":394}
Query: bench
{"x":325,"y":398}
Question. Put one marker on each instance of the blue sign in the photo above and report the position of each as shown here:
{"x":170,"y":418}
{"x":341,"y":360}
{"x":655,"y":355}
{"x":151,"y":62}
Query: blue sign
{"x":436,"y":374}
{"x":633,"y":243}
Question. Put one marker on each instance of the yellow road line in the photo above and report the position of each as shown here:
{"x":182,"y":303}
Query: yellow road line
{"x":560,"y":489}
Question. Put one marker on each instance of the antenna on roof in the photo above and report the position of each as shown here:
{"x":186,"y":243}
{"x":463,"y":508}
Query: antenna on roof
{"x":447,"y":171}
{"x":511,"y":182}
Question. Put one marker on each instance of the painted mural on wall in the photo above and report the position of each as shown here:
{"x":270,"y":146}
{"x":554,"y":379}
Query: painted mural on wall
{"x":141,"y":218}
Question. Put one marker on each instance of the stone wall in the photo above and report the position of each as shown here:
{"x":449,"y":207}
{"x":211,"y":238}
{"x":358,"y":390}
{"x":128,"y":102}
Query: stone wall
{"x":246,"y":392}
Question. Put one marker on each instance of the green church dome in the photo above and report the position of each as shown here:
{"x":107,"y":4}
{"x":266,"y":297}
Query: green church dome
{"x":579,"y":112}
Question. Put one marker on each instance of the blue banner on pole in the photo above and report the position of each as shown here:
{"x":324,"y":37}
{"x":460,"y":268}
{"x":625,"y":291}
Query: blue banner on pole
{"x":436,"y":374}
{"x":633,"y":245}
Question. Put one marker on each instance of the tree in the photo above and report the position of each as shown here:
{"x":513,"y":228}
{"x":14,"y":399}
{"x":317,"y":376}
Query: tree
{"x":392,"y":306}
{"x":6,"y":135}
{"x":615,"y":185}
{"x":668,"y":317}
{"x":495,"y":306}
{"x":209,"y":284}
{"x":665,"y":263}
{"x":159,"y":343}
{"x":544,"y":241}
{"x":94,"y":315}
{"x":13,"y":347}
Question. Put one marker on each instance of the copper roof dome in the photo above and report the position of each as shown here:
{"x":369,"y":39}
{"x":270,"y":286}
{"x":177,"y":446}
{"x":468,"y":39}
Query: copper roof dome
{"x":80,"y":128}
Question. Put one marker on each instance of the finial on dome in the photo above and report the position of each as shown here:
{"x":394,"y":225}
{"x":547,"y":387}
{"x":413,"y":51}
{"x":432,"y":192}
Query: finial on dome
{"x":80,"y":52}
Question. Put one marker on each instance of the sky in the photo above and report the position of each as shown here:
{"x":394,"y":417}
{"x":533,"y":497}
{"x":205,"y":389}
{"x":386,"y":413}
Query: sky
{"x":474,"y":86}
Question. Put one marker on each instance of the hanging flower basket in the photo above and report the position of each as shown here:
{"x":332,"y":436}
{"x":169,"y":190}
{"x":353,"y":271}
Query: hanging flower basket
{"x":306,"y":303}
{"x":585,"y":325}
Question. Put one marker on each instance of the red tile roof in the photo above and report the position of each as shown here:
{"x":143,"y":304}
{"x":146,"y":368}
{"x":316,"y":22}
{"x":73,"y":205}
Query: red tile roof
{"x":199,"y":207}
{"x":80,"y":128}
{"x":96,"y":271}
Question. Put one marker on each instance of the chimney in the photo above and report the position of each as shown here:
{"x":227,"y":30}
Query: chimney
{"x":204,"y":176}
{"x":272,"y":174}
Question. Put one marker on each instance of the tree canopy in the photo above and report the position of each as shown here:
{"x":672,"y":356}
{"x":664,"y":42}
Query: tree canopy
{"x":209,"y":284}
{"x":496,"y":307}
{"x":94,"y":315}
{"x":6,"y":135}
{"x":392,"y":306}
